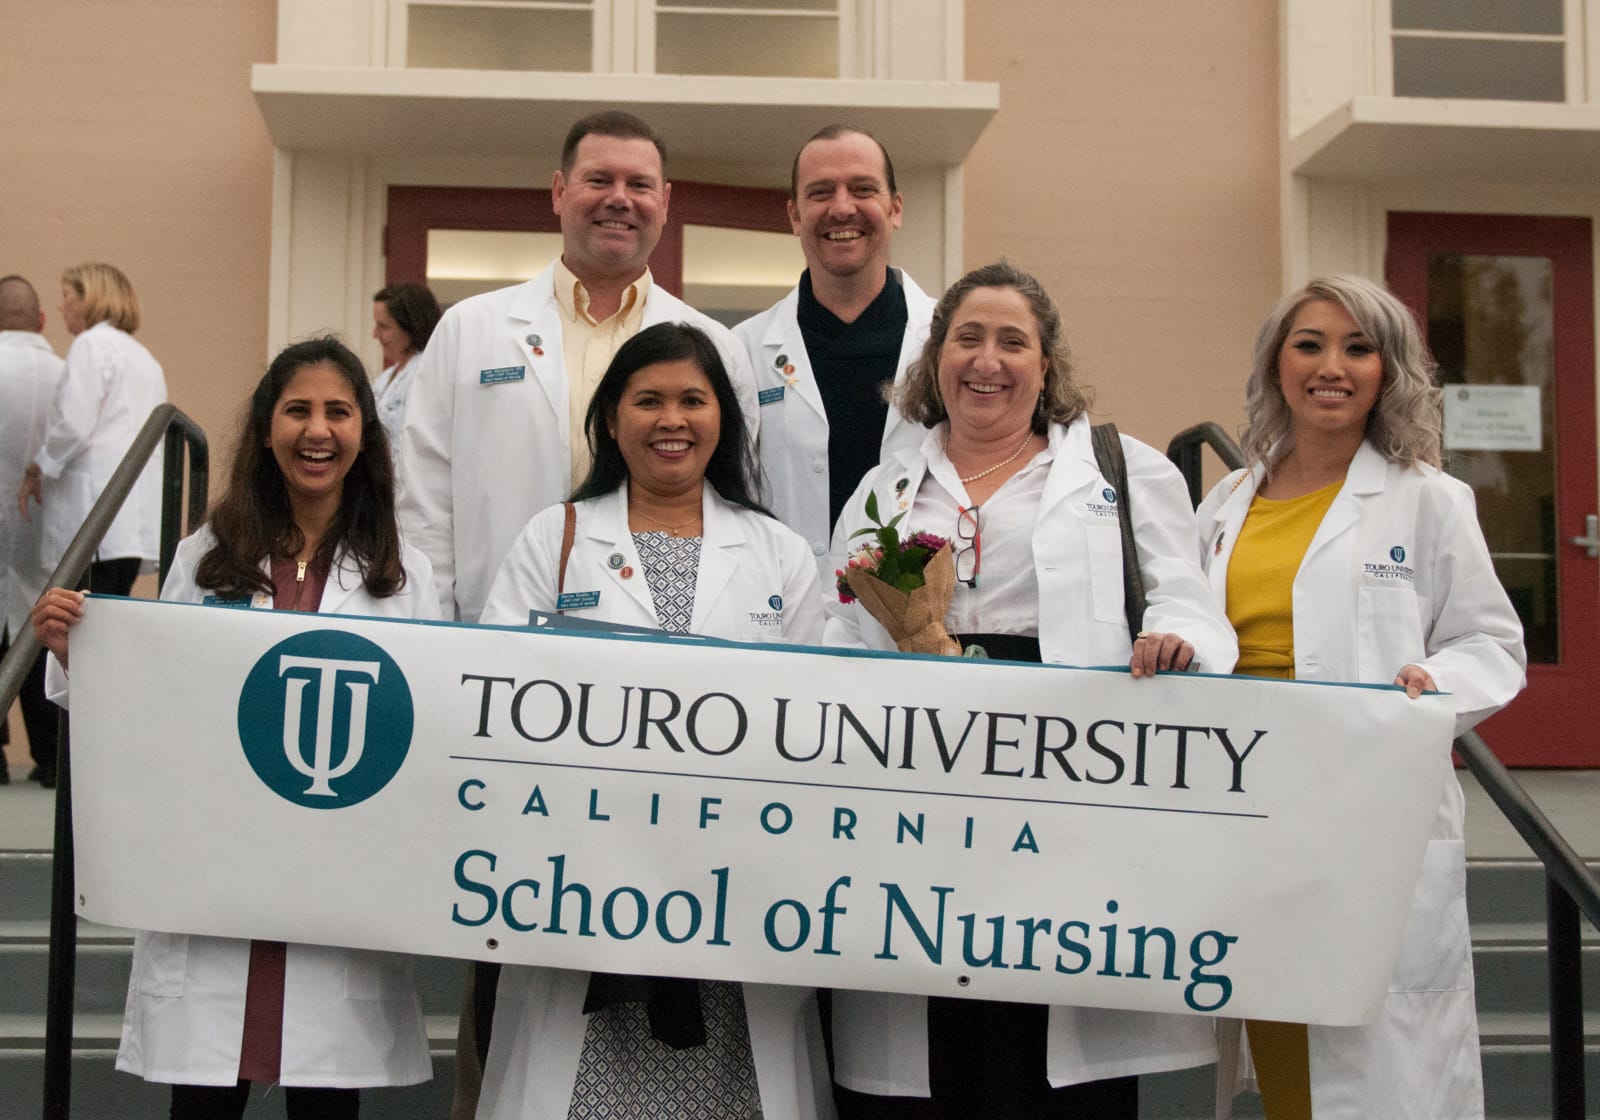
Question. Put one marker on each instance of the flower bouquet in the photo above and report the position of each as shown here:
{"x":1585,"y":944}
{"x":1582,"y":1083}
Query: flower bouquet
{"x":905,"y":584}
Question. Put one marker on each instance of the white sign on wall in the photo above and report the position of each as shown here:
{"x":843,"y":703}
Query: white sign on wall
{"x":659,"y":806}
{"x":1492,"y":418}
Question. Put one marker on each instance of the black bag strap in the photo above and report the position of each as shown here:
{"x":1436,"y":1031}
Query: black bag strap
{"x":1114,"y":468}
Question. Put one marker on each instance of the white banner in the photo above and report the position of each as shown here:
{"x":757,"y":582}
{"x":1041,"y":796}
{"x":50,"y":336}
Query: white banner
{"x":677,"y":807}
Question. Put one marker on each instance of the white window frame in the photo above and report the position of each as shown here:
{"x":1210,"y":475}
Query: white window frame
{"x":1580,"y":38}
{"x":624,"y":32}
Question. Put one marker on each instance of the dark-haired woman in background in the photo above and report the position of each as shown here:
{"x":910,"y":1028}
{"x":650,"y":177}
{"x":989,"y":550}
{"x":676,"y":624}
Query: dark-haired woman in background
{"x":403,"y":318}
{"x":671,"y":495}
{"x":307,"y":524}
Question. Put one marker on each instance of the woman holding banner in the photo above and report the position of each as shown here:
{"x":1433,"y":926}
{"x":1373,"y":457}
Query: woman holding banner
{"x":1343,"y":553}
{"x":307,"y":524}
{"x":664,"y":533}
{"x":1008,"y":472}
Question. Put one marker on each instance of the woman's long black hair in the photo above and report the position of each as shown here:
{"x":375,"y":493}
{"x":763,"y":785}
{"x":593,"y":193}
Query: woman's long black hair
{"x":731,"y":471}
{"x":253,"y":521}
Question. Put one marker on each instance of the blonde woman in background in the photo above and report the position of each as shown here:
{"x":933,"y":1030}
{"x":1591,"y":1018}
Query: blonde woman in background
{"x":110,"y":386}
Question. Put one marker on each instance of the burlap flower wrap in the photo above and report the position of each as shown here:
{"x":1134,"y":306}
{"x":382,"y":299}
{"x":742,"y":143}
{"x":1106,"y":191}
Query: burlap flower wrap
{"x":914,"y":619}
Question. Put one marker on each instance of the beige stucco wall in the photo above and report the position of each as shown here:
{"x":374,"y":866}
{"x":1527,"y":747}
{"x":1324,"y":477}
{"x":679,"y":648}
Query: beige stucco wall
{"x":1133,"y":167}
{"x":133,"y":138}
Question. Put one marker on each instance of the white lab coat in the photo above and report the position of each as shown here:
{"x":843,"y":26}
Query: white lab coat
{"x":756,"y":582}
{"x":794,"y":427}
{"x":1398,"y":573}
{"x":29,"y":375}
{"x":390,"y":390}
{"x":351,"y":1018}
{"x":486,"y":444}
{"x":109,"y":388}
{"x":881,"y":1040}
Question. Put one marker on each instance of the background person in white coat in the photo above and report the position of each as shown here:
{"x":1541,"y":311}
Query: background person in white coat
{"x":110,"y":387}
{"x":1006,"y":471}
{"x":403,"y":318}
{"x":29,"y":375}
{"x":494,"y":425}
{"x":1344,"y":554}
{"x":669,"y":534}
{"x":307,"y":524}
{"x":824,"y":353}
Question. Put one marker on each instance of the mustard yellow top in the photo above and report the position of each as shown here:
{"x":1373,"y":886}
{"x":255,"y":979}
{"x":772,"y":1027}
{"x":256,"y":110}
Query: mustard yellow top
{"x":1272,"y":542}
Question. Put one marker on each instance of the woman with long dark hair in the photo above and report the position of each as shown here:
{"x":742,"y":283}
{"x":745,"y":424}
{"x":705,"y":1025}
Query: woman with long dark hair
{"x":667,"y":529}
{"x":307,"y":524}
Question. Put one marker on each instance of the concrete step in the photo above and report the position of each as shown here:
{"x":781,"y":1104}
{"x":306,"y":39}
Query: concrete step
{"x":105,"y":959}
{"x":1507,"y":891}
{"x":99,"y":1092}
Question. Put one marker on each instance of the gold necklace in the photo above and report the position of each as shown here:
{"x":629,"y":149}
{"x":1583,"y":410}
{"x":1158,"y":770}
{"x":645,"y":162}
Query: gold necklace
{"x":1007,"y":461}
{"x":671,"y":529}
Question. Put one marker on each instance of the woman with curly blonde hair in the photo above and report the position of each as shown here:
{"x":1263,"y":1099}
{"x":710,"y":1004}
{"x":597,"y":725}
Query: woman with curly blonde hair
{"x":1343,"y":553}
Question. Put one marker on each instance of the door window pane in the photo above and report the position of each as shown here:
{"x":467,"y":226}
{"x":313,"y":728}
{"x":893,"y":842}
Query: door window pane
{"x":1491,"y":323}
{"x":464,"y":262}
{"x":731,"y":274}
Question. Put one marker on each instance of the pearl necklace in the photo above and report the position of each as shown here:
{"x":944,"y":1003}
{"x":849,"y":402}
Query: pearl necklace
{"x":671,"y":529}
{"x":1007,"y":461}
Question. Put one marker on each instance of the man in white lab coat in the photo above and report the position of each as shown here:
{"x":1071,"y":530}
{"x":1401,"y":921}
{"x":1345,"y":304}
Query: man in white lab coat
{"x":494,"y":425}
{"x":823,"y":353}
{"x":29,"y":375}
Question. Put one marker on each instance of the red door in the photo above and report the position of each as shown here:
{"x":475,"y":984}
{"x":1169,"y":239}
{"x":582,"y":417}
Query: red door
{"x":1508,"y":306}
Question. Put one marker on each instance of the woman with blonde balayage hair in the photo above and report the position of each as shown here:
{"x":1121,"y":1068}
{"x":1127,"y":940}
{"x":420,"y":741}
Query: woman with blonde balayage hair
{"x":1343,"y":553}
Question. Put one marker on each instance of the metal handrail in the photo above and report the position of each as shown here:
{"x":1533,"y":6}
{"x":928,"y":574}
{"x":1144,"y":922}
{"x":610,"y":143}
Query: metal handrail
{"x":1571,"y":888}
{"x":1184,"y":451}
{"x":167,"y":427}
{"x":171,"y":430}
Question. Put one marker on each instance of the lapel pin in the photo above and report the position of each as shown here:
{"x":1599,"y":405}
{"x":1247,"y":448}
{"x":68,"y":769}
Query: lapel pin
{"x":626,"y":573}
{"x":901,"y":484}
{"x":781,"y":361}
{"x":615,"y":561}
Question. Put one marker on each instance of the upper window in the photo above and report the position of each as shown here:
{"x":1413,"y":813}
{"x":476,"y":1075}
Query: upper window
{"x":762,"y":38}
{"x":1503,"y":50}
{"x":500,"y":34}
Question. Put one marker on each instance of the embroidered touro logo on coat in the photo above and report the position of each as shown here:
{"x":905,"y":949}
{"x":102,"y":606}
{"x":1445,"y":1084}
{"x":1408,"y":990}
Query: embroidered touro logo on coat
{"x":325,"y":719}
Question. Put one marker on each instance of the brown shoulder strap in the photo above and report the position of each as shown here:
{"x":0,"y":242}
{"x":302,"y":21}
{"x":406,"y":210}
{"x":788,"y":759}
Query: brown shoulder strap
{"x":568,"y":530}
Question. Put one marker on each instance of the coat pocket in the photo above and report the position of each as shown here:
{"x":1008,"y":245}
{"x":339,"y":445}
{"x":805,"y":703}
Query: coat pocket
{"x":1390,"y":633}
{"x":1436,"y":950}
{"x":160,"y":962}
{"x":1105,"y":571}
